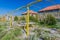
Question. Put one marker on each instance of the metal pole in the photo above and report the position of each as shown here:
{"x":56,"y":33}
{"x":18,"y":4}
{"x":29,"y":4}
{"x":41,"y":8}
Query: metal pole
{"x":27,"y":22}
{"x":10,"y":21}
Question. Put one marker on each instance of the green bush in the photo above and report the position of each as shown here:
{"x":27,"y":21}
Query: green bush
{"x":50,"y":20}
{"x":42,"y":21}
{"x":32,"y":18}
{"x":22,"y":18}
{"x":15,"y":18}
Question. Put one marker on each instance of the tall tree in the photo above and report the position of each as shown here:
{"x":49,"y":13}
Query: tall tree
{"x":15,"y":18}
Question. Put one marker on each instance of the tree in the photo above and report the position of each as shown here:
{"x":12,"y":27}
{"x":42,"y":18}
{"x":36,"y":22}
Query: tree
{"x":15,"y":18}
{"x":50,"y":20}
{"x":32,"y":18}
{"x":23,"y":18}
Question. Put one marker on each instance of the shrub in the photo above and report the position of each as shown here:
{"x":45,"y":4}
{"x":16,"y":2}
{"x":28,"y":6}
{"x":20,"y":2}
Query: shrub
{"x":15,"y":18}
{"x":50,"y":20}
{"x":42,"y":21}
{"x":32,"y":18}
{"x":23,"y":18}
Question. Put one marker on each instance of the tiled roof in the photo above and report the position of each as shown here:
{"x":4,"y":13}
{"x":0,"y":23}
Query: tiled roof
{"x":51,"y":8}
{"x":31,"y":12}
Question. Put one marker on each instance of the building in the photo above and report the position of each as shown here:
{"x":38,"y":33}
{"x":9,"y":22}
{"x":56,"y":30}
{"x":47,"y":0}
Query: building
{"x":31,"y":13}
{"x":2,"y":19}
{"x":54,"y":10}
{"x":8,"y":17}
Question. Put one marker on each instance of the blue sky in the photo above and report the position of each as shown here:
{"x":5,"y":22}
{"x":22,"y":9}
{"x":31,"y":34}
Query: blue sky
{"x":10,"y":5}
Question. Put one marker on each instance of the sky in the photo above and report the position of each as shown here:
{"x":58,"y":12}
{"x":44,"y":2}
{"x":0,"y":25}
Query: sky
{"x":7,"y":6}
